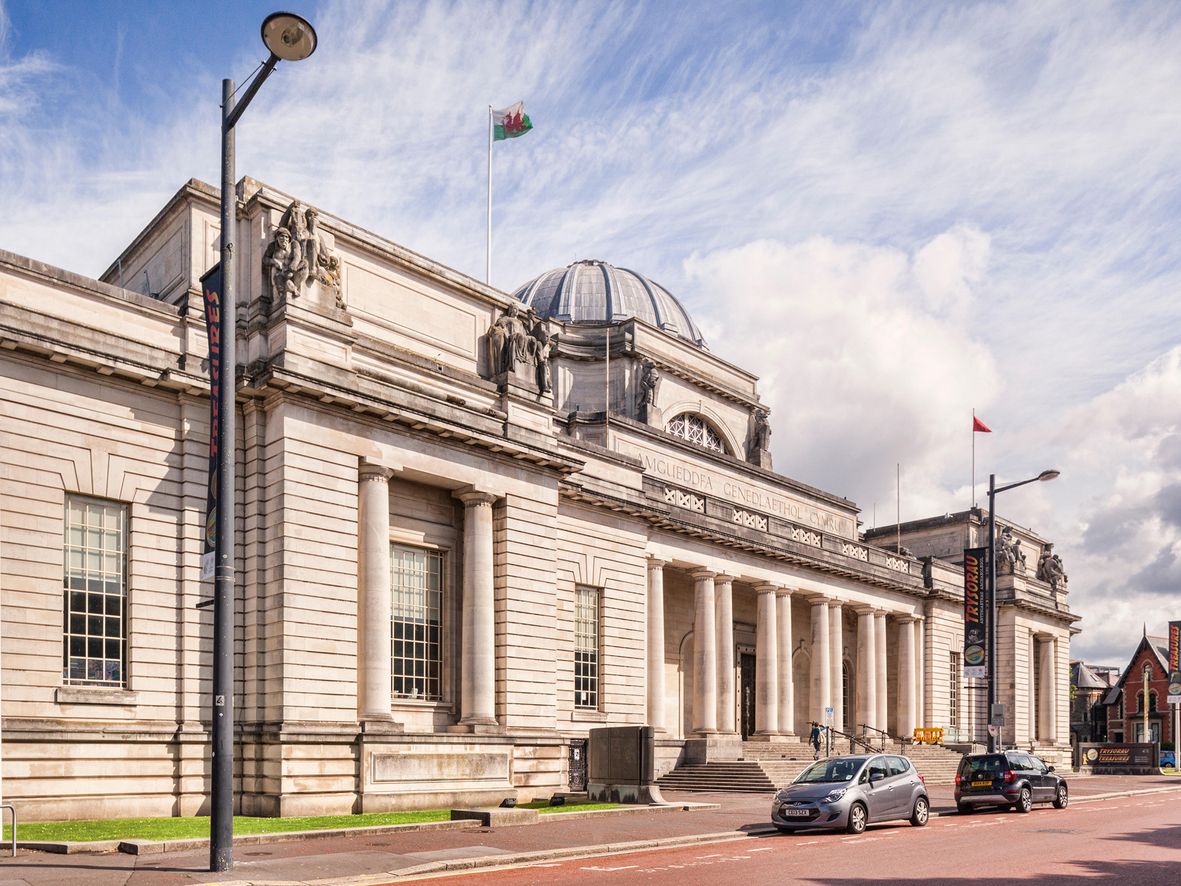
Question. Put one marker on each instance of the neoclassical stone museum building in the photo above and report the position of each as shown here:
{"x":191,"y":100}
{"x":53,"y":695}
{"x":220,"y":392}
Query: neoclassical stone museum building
{"x":472,"y":526}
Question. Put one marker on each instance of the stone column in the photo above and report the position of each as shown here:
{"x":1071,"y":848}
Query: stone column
{"x":920,"y":672}
{"x":724,"y":625}
{"x":374,"y":595}
{"x":478,"y":679}
{"x":705,"y":655}
{"x":821,"y":674}
{"x":785,"y":670}
{"x":766,"y":663}
{"x":1047,"y":697}
{"x":836,"y":664}
{"x":656,"y":700}
{"x":906,"y":680}
{"x":867,"y":681}
{"x":879,"y":631}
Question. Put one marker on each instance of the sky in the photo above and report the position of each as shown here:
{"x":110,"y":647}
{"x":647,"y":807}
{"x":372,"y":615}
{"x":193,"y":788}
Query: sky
{"x":893,"y":213}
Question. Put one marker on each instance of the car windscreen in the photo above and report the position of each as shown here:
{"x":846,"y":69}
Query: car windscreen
{"x":829,"y":770}
{"x":990,"y":764}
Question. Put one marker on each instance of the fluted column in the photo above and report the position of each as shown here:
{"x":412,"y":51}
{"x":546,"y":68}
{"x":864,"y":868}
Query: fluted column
{"x":1047,"y":696}
{"x":785,"y":675}
{"x":867,"y":680}
{"x":879,"y":631}
{"x":705,"y":654}
{"x":656,"y":699}
{"x":766,"y":663}
{"x":836,"y":664}
{"x":906,"y":675}
{"x":821,"y":674}
{"x":724,"y":624}
{"x":374,"y":594}
{"x":478,"y":681}
{"x":920,"y":672}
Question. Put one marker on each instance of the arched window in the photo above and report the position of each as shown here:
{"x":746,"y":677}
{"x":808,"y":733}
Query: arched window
{"x":697,"y":431}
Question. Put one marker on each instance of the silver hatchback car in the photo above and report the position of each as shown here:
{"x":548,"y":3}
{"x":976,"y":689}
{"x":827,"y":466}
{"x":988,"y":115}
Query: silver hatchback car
{"x":850,"y":792}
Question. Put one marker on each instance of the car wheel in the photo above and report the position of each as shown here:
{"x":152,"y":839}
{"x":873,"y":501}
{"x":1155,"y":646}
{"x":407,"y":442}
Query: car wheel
{"x":1024,"y":801}
{"x":922,"y":811}
{"x":964,"y":808}
{"x":1061,"y":797}
{"x":858,"y":818}
{"x":784,"y":830}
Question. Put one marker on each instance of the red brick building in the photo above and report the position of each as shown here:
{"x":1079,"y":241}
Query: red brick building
{"x":1125,"y":702}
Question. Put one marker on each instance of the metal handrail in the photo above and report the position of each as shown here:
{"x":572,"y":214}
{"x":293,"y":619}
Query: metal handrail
{"x":868,"y":728}
{"x":11,"y":809}
{"x":854,"y":740}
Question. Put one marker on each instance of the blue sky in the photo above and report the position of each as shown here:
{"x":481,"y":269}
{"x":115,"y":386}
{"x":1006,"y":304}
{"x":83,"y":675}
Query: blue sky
{"x":892,"y":212}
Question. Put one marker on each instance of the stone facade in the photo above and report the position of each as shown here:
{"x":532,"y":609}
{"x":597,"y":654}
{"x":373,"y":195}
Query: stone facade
{"x":448,"y":566}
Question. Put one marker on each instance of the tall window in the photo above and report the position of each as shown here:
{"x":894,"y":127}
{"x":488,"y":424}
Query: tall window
{"x":417,"y":624}
{"x":94,"y":649}
{"x":953,"y":692}
{"x":696,"y":430}
{"x":586,"y":648}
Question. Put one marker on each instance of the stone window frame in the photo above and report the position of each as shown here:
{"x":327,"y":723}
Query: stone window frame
{"x":696,"y":429}
{"x":592,"y":670}
{"x":447,"y":617}
{"x":77,"y":688}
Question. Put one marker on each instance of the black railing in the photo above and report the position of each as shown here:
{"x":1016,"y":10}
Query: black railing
{"x":854,"y":742}
{"x":882,"y":732}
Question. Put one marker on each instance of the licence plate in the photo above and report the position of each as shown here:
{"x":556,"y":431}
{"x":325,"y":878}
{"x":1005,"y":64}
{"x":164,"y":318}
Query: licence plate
{"x":797,"y":812}
{"x":982,"y":784}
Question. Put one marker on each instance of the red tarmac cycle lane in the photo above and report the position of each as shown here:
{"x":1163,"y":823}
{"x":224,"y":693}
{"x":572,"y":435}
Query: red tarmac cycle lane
{"x":1131,"y":840}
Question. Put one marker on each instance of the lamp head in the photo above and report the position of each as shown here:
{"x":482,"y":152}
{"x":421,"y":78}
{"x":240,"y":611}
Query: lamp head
{"x":1049,"y":475}
{"x":288,"y":36}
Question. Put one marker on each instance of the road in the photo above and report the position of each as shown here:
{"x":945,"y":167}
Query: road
{"x":1130,"y":840}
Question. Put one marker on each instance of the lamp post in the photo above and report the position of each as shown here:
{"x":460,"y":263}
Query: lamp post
{"x":289,"y":38}
{"x":993,"y":489}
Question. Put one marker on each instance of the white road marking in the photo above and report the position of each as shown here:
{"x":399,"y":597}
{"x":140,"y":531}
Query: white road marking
{"x":764,"y":849}
{"x":715,"y":855}
{"x":626,"y":867}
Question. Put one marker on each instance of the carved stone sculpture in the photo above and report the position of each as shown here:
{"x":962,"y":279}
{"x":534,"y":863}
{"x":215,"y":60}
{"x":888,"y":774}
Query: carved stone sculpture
{"x":1049,"y":568}
{"x":299,"y":255}
{"x":542,"y":342}
{"x":508,"y":342}
{"x":646,"y":387}
{"x":1010,"y":558}
{"x":758,"y":449}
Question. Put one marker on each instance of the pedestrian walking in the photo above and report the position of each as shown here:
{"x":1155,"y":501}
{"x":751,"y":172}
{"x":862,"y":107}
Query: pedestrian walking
{"x":814,"y":740}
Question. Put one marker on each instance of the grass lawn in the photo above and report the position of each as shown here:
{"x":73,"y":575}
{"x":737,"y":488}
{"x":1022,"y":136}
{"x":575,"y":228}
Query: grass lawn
{"x":185,"y":828}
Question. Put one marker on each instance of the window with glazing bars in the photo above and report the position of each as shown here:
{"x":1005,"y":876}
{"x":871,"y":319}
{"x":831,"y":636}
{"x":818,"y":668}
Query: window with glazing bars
{"x":94,"y":647}
{"x":953,"y":694}
{"x":697,"y":430}
{"x":586,"y":648}
{"x":417,"y":623}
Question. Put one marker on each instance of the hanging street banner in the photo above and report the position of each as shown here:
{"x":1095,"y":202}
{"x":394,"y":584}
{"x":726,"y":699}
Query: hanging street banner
{"x":211,"y":287}
{"x":1175,"y":662}
{"x":976,"y":611}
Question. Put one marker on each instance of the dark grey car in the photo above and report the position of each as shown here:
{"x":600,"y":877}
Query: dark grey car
{"x":850,"y":792}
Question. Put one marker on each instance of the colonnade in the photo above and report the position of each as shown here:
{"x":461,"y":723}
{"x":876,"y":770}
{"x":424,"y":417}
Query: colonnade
{"x":713,"y":704}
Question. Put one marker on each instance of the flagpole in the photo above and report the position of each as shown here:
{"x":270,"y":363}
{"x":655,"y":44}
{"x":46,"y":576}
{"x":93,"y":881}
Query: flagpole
{"x":898,"y":512}
{"x":973,"y":456}
{"x":488,"y":250}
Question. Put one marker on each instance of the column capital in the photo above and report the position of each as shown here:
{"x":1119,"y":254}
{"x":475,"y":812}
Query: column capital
{"x":783,"y":591}
{"x":723,"y":579}
{"x":862,"y":608}
{"x":367,"y":470}
{"x":905,"y":618}
{"x":470,"y":496}
{"x":881,"y":613}
{"x":767,"y":589}
{"x":815,"y":597}
{"x":1044,"y":636}
{"x":656,"y":563}
{"x":835,"y":604}
{"x":701,"y":572}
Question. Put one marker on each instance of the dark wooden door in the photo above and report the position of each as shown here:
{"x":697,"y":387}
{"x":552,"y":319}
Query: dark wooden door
{"x":746,"y":664}
{"x":577,"y":764}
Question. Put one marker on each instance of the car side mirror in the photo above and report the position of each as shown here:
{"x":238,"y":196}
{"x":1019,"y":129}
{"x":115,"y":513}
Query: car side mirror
{"x":875,"y":777}
{"x":1049,"y":768}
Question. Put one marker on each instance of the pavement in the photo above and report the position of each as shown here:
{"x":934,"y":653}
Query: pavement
{"x":367,"y":859}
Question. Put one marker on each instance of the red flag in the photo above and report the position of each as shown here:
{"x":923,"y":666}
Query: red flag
{"x":980,"y":427}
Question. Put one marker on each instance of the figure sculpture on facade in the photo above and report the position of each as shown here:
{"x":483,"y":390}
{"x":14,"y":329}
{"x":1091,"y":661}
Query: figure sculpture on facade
{"x":508,"y":341}
{"x":542,"y":343}
{"x":299,"y":255}
{"x":646,"y":387}
{"x":284,"y":266}
{"x":758,"y":450}
{"x":1049,"y":568}
{"x":1010,"y":559}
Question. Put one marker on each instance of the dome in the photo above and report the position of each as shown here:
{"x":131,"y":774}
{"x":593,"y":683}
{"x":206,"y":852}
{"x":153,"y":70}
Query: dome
{"x":592,"y":291}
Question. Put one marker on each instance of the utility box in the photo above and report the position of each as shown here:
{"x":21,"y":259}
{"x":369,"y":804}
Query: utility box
{"x":622,"y":765}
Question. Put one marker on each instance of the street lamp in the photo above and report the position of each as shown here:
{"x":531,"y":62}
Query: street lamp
{"x":289,"y":38}
{"x":993,"y":489}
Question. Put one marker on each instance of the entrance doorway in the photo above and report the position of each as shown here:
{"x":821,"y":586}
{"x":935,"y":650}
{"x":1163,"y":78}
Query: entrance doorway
{"x":746,"y":666}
